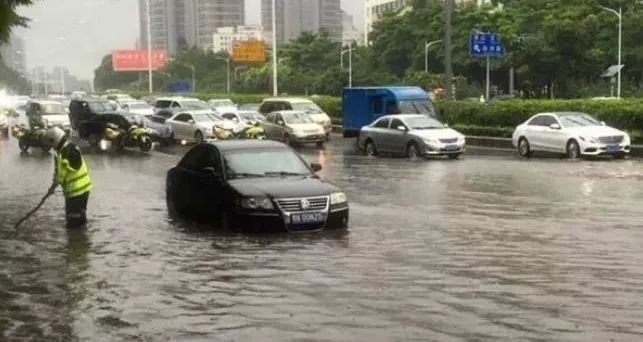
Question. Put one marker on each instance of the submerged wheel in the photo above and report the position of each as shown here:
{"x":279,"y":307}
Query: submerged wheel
{"x":198,"y":137}
{"x":454,"y":156}
{"x":145,"y":144}
{"x":412,"y":151}
{"x":320,"y":144}
{"x":523,"y":148}
{"x":24,"y":147}
{"x":573,"y":150}
{"x":371,"y":149}
{"x":287,"y":139}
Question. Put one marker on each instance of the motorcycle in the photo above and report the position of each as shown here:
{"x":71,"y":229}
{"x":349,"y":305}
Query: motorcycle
{"x":134,"y":136}
{"x":28,"y":138}
{"x":252,"y":131}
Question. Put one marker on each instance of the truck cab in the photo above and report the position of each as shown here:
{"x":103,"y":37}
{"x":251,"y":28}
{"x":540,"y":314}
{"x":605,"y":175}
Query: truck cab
{"x":363,"y":105}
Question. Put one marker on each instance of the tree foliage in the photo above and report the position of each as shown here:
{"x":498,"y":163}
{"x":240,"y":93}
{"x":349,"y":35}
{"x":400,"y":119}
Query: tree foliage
{"x":9,"y":18}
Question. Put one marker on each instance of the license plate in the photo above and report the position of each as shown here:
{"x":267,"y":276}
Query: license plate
{"x":300,"y":218}
{"x":612,"y":148}
{"x":451,"y":147}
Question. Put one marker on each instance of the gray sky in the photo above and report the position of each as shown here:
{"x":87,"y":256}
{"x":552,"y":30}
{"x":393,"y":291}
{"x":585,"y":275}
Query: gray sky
{"x":78,"y":33}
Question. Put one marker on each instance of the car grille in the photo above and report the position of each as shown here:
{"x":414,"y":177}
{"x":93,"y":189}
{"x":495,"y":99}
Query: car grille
{"x":449,"y":141}
{"x":310,"y":131}
{"x":615,"y":139}
{"x":297,"y":204}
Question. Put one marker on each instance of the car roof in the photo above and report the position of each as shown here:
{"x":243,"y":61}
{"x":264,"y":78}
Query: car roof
{"x":290,"y":112}
{"x":176,"y":98}
{"x":219,"y":100}
{"x":288,"y":99}
{"x":402,"y":116}
{"x":250,"y":144}
{"x":46,"y":102}
{"x":561,"y":113}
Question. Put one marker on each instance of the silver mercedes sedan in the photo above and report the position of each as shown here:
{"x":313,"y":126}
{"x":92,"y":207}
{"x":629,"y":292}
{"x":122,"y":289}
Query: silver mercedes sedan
{"x":411,"y":135}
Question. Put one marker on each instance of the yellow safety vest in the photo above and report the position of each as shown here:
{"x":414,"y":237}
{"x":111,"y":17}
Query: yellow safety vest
{"x":73,"y":182}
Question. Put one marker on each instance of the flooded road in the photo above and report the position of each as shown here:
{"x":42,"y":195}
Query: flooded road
{"x":484,"y":248}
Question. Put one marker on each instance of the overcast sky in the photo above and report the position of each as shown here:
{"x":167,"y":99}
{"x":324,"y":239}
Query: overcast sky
{"x":78,"y":33}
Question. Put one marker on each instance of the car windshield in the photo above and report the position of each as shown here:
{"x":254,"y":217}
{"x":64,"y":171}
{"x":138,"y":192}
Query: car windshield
{"x":52,"y":108}
{"x":206,"y":117}
{"x":100,"y":107}
{"x":138,"y":105}
{"x":297,"y":118}
{"x":252,"y":116}
{"x":578,"y":120}
{"x":264,"y":163}
{"x":307,"y":107}
{"x":194,"y":104}
{"x":415,"y":107}
{"x":423,"y":122}
{"x":224,"y":103}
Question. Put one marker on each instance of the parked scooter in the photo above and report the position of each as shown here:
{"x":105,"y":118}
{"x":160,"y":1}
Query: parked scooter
{"x":28,"y":138}
{"x":254,"y":131}
{"x":135,"y":136}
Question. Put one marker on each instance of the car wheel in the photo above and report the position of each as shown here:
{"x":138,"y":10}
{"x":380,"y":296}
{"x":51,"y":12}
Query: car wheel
{"x":287,"y":140}
{"x":145,"y":144}
{"x":523,"y":148}
{"x":225,"y":221}
{"x":454,"y":156}
{"x":24,"y":147}
{"x":371,"y":149}
{"x":198,"y":137}
{"x":412,"y":151}
{"x":573,"y":150}
{"x":620,"y":156}
{"x":320,"y":144}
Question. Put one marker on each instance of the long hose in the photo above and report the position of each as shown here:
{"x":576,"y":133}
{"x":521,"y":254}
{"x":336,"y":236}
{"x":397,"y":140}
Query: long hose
{"x":42,"y":201}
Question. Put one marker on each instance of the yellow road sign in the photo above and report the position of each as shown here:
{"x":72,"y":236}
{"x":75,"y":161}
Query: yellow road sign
{"x":250,"y":51}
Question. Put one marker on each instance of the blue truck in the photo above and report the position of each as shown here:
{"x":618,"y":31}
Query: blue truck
{"x":362,"y":105}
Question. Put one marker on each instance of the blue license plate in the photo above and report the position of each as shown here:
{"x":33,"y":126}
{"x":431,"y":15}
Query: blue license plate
{"x":613,"y":148}
{"x":301,"y":218}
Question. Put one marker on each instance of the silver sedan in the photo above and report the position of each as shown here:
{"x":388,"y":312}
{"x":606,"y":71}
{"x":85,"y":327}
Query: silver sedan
{"x":411,"y":135}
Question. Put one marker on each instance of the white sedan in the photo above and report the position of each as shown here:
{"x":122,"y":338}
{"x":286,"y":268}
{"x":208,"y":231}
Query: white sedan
{"x":196,"y":126}
{"x":569,"y":133}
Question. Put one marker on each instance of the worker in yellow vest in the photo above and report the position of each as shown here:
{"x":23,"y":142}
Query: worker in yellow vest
{"x":72,"y":174}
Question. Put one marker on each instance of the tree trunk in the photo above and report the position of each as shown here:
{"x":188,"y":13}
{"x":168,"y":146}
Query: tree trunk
{"x":448,"y":67}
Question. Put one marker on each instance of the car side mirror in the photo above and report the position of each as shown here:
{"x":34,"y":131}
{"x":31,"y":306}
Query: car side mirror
{"x":316,"y":167}
{"x":210,"y":171}
{"x":554,"y":126}
{"x":603,"y":123}
{"x":191,"y":122}
{"x":401,"y":128}
{"x":446,"y":125}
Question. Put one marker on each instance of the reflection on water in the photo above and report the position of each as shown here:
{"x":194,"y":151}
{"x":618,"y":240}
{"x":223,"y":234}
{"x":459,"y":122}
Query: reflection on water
{"x":486,"y":248}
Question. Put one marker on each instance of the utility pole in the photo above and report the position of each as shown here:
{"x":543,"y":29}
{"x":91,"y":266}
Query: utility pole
{"x":149,"y":46}
{"x":275,"y":90}
{"x":62,"y":81}
{"x":448,"y":67}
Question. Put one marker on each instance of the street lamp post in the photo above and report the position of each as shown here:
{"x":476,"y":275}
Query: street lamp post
{"x":62,"y":81}
{"x":349,"y":50}
{"x":227,"y":60}
{"x":275,"y":90}
{"x":619,"y":14}
{"x":427,"y":45}
{"x":149,"y":47}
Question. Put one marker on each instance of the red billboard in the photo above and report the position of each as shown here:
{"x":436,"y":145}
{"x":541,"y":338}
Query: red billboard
{"x":136,"y":60}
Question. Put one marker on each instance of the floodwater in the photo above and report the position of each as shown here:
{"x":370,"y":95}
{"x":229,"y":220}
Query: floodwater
{"x":484,"y":248}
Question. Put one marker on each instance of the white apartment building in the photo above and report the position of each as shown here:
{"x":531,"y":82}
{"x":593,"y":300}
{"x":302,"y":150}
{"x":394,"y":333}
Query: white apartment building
{"x":225,"y":37}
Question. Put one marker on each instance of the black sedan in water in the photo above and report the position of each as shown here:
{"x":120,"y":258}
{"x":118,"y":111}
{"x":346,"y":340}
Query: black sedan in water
{"x":254,"y":185}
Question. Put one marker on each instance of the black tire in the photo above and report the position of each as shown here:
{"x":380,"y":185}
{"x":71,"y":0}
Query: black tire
{"x":320,"y":144}
{"x":454,"y":156}
{"x":224,"y":221}
{"x":524,"y":149}
{"x":371,"y":149}
{"x":287,"y":140}
{"x":145,"y":144}
{"x":573,"y":150}
{"x":198,"y":137}
{"x":620,"y":156}
{"x":412,"y":150}
{"x":24,"y":147}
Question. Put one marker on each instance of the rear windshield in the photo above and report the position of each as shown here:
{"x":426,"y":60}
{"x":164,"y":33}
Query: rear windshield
{"x":163,"y":104}
{"x":415,"y":107}
{"x":52,"y":108}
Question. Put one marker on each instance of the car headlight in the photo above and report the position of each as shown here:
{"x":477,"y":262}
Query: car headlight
{"x":254,"y":203}
{"x":337,"y":198}
{"x":588,"y":139}
{"x":462,"y":139}
{"x":431,"y":141}
{"x":626,"y":140}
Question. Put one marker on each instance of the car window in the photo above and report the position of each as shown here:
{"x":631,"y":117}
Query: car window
{"x":548,"y":120}
{"x":395,"y":123}
{"x":279,"y":118}
{"x":271,"y":117}
{"x":383,"y":123}
{"x":195,"y":158}
{"x":286,"y":106}
{"x":266,"y":108}
{"x":183,"y":117}
{"x":537,"y":121}
{"x":176,"y":105}
{"x":229,"y":116}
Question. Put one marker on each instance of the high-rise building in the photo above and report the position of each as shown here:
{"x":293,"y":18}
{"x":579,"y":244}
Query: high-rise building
{"x":350,"y":34}
{"x":177,"y":24}
{"x":13,"y":54}
{"x":296,"y":16}
{"x":374,"y":9}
